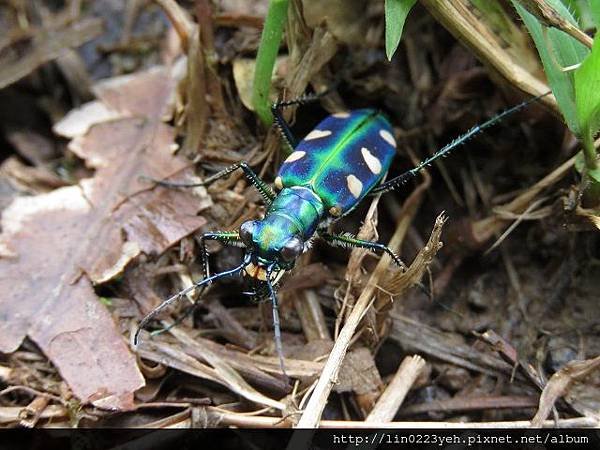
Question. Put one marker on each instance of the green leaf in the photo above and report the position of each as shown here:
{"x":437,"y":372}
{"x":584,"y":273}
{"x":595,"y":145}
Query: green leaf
{"x":557,"y":50}
{"x":594,"y":174}
{"x":581,"y":10}
{"x":587,"y":90}
{"x":395,"y":16}
{"x":595,"y":12}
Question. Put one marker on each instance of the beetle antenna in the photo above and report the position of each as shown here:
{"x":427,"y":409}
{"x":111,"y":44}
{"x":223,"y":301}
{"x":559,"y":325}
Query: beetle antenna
{"x":276,"y":323}
{"x":400,"y":180}
{"x":205,"y":282}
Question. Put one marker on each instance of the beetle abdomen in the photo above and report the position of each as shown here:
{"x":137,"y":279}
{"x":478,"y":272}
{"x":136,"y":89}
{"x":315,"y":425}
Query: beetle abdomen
{"x":342,"y":159}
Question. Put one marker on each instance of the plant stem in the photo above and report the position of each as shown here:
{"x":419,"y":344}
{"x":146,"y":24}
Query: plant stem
{"x":265,"y":59}
{"x":591,"y":197}
{"x":589,"y":151}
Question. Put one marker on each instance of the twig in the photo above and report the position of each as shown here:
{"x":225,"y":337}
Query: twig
{"x":461,"y":22}
{"x":311,"y":315}
{"x":233,"y":419}
{"x":312,"y":414}
{"x":415,"y":336}
{"x":180,"y":19}
{"x":10,"y":414}
{"x":386,"y":407}
{"x":550,"y":17}
{"x":464,"y":404}
{"x":32,"y":412}
{"x":46,"y":48}
{"x":484,"y":229}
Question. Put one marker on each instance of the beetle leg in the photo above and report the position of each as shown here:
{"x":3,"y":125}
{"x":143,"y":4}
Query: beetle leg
{"x":175,"y":298}
{"x":263,"y":188}
{"x":347,"y":240}
{"x":402,"y":179}
{"x":226,"y":237}
{"x":282,"y":124}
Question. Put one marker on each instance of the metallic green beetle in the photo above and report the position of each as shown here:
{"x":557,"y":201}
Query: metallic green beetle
{"x":328,"y":173}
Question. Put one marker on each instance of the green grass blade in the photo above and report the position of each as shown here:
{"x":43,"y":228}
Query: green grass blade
{"x":265,"y":59}
{"x":396,"y":12}
{"x":587,"y":99}
{"x":595,"y":12}
{"x":580,"y":9}
{"x":557,"y":50}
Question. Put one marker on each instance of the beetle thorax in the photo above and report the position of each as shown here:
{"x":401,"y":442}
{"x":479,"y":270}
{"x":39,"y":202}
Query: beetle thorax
{"x":289,"y":223}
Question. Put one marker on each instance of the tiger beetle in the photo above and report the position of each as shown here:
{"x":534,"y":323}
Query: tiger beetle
{"x":328,"y":173}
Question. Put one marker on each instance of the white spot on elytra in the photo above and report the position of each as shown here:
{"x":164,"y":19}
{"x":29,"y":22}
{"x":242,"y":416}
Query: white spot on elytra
{"x":341,"y":115}
{"x":317,"y":134}
{"x":354,"y":185}
{"x":295,"y":156}
{"x":387,"y":137}
{"x":372,"y":161}
{"x":278,"y":183}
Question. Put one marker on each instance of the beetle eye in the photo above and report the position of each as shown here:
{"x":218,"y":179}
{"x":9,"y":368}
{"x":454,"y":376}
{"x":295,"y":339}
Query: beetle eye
{"x":292,"y":249}
{"x":246,"y":232}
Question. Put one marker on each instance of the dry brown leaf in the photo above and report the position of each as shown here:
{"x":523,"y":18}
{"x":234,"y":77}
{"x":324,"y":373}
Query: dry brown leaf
{"x":243,"y":75}
{"x":61,"y":242}
{"x":347,"y":20}
{"x":398,"y":282}
{"x":589,"y":214}
{"x":567,"y":382}
{"x":359,"y":373}
{"x":47,"y":45}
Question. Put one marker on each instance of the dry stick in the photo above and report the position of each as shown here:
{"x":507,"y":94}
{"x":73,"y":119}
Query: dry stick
{"x":239,"y":420}
{"x":460,"y":21}
{"x":485,"y":229}
{"x":45,"y":50}
{"x":546,"y":14}
{"x":180,"y":19}
{"x":311,"y":315}
{"x":386,"y":407}
{"x":472,"y":404}
{"x":312,"y":414}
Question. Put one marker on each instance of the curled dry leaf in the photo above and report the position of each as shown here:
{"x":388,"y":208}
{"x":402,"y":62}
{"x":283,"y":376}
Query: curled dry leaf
{"x":61,"y":243}
{"x":578,"y":382}
{"x":399,"y":282}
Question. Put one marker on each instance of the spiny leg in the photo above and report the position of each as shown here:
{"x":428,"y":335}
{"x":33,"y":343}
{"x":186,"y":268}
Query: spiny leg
{"x":200,"y":284}
{"x":263,"y":188}
{"x":348,"y":240}
{"x":281,"y":123}
{"x":226,"y":237}
{"x":402,"y":179}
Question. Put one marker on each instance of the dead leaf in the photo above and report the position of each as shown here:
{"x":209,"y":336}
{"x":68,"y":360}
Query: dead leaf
{"x":359,"y":373}
{"x":243,"y":75}
{"x":563,"y":382}
{"x":398,"y":282}
{"x":346,"y":20}
{"x":62,"y":242}
{"x":46,"y":46}
{"x":79,"y":120}
{"x":589,"y":214}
